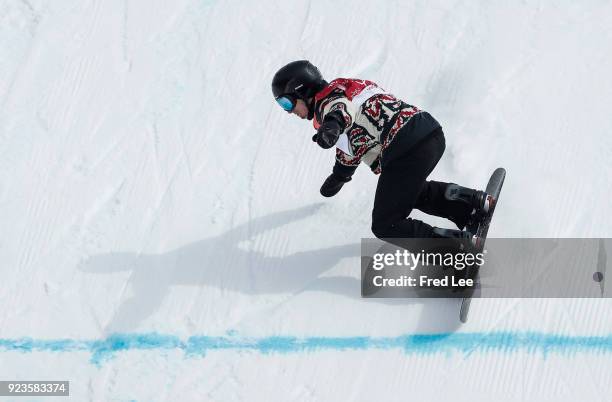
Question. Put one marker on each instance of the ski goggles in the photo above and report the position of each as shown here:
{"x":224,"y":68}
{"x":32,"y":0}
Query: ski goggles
{"x":287,"y":102}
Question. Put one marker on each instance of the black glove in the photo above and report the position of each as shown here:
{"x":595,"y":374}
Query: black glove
{"x":333,"y":184}
{"x":327,"y":135}
{"x":326,"y":138}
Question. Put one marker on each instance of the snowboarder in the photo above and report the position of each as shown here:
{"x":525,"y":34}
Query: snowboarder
{"x":397,"y":140}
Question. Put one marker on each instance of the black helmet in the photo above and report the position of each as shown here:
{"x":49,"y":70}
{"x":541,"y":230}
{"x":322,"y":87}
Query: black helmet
{"x":298,"y":78}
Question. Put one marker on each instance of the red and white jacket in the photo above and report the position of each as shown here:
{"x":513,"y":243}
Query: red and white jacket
{"x":373,"y":118}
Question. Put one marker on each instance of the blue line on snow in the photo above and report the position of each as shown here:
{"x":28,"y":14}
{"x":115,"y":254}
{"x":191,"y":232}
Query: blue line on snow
{"x":466,"y":343}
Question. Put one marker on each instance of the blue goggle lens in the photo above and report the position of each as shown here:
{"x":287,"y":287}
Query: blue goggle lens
{"x":286,"y":103}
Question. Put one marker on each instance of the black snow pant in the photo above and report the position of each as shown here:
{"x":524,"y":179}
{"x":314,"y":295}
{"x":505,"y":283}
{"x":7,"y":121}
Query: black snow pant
{"x":402,"y":186}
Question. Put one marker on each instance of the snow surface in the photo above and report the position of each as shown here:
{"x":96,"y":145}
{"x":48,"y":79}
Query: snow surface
{"x":150,"y":187}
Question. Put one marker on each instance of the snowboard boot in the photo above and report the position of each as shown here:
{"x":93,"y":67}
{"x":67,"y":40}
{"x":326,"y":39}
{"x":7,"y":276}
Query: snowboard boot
{"x":481,"y":203}
{"x":464,"y":240}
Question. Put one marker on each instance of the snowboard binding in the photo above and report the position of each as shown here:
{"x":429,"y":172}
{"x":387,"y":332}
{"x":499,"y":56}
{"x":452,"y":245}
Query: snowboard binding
{"x":464,"y":239}
{"x":482,"y":204}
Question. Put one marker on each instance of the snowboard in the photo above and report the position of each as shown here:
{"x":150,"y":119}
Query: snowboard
{"x":494,"y":187}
